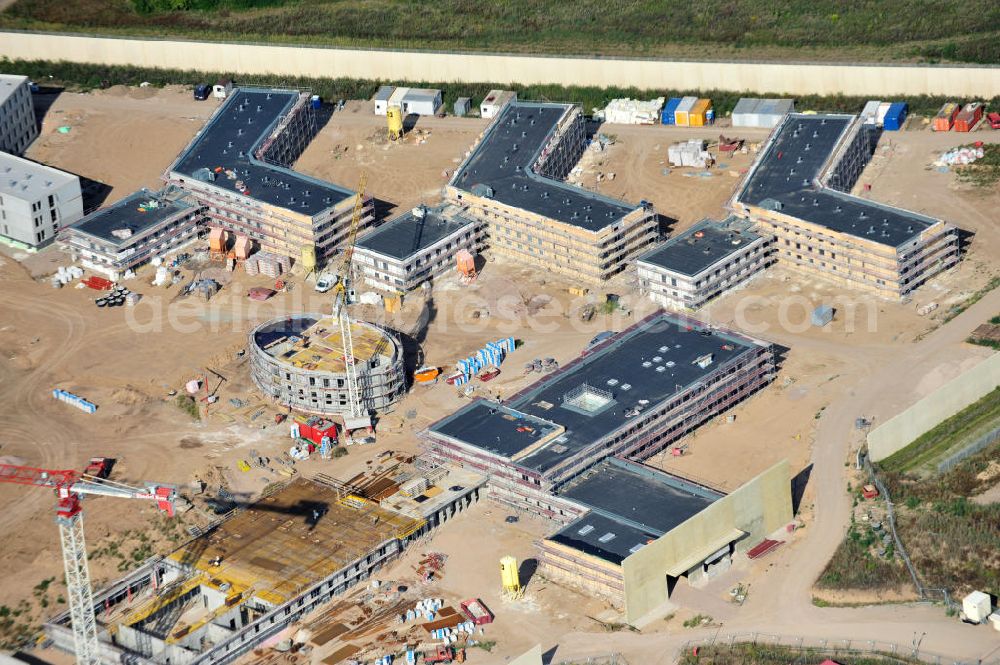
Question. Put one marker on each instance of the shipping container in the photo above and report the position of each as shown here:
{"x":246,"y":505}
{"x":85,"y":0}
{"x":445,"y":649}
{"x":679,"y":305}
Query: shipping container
{"x":667,"y":117}
{"x":698,"y":115}
{"x":945,"y":118}
{"x":766,"y":113}
{"x":744,"y":113}
{"x":894,"y":119}
{"x":683,"y":109}
{"x":968,"y":117}
{"x":869,"y":114}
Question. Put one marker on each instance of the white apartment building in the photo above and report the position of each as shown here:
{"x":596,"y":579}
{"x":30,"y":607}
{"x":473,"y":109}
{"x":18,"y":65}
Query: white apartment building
{"x":703,"y":262}
{"x":133,"y":231}
{"x":36,"y":201}
{"x":18,"y":127}
{"x":416,"y":247}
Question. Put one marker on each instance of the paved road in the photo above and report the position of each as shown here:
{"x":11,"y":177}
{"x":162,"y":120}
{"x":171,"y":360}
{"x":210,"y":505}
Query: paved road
{"x":781,"y":600}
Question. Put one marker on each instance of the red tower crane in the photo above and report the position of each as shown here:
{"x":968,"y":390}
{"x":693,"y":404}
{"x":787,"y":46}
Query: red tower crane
{"x":70,"y":486}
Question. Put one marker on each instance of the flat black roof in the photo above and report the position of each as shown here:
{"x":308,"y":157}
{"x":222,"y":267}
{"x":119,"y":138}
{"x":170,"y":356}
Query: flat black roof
{"x":702,"y":246}
{"x":503,"y":162}
{"x":404,"y":236}
{"x":495,"y":428}
{"x":640,"y":367}
{"x":785,"y":178}
{"x":630,"y":504}
{"x":239,"y":126}
{"x":138,"y":212}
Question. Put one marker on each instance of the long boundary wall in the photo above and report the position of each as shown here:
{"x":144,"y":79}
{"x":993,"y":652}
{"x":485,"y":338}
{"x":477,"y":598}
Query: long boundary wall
{"x":762,"y":77}
{"x":901,"y":430}
{"x":758,"y":508}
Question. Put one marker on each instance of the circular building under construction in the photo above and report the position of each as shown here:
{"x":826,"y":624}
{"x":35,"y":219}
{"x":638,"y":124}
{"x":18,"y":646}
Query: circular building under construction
{"x":299,"y":361}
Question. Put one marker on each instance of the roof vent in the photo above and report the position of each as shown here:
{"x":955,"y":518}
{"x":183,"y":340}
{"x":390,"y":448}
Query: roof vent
{"x":815,"y":203}
{"x":808,"y":146}
{"x":837,"y":209}
{"x":871,"y":230}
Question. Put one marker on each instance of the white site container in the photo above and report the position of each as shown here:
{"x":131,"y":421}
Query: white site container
{"x":977,"y":606}
{"x":869,"y":114}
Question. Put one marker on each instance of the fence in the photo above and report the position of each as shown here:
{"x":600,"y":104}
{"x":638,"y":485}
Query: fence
{"x":979,"y":444}
{"x":925,"y":592}
{"x":811,"y":648}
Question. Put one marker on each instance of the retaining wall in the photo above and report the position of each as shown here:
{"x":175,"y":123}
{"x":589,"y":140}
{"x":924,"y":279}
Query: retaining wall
{"x":877,"y":80}
{"x":901,"y":430}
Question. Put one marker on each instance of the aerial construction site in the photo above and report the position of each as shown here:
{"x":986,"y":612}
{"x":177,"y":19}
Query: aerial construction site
{"x":464,"y":389}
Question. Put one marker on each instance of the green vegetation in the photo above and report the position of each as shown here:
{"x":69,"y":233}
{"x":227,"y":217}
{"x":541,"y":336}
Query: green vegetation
{"x":854,"y":566}
{"x":984,"y":172}
{"x":745,"y":653}
{"x":697,"y":621}
{"x":84,"y":77}
{"x":953,"y":542}
{"x":923,"y":454}
{"x":955,"y":310}
{"x":802,"y":29}
{"x":188,"y":405}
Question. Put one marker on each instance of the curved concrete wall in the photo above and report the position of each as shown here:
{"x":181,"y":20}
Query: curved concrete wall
{"x":792,"y":78}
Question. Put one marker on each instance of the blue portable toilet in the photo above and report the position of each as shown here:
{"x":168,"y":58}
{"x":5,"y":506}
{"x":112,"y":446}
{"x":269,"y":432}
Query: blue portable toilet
{"x":895,"y":117}
{"x":315,"y":101}
{"x":667,"y":115}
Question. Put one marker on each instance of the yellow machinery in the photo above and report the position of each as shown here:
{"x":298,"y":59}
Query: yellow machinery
{"x":510,"y":580}
{"x":394,"y":118}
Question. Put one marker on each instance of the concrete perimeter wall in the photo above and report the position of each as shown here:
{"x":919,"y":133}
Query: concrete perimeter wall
{"x":758,"y":508}
{"x":783,"y":78}
{"x":901,"y":430}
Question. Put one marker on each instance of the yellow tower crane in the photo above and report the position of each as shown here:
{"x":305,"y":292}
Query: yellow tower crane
{"x":359,"y":416}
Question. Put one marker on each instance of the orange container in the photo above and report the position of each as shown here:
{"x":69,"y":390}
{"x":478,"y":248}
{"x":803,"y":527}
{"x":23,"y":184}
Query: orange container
{"x":697,"y":117}
{"x":968,"y":117}
{"x":945,"y":118}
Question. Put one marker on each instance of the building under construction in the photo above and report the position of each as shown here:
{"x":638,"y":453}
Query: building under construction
{"x":631,"y":396}
{"x":799,"y":191}
{"x":267,"y":565}
{"x":416,"y":247}
{"x":513,"y":181}
{"x":237,"y":168}
{"x":642,"y":531}
{"x":299,"y":361}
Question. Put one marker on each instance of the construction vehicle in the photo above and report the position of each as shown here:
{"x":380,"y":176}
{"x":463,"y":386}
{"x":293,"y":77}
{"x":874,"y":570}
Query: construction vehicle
{"x":359,"y":417}
{"x":70,"y":487}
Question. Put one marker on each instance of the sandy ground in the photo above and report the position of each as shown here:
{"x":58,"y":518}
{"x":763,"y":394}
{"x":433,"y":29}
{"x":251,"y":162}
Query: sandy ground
{"x":873,"y":360}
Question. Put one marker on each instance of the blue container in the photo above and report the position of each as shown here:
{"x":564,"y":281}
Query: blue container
{"x":316,"y":102}
{"x":667,"y":115}
{"x":895,"y":117}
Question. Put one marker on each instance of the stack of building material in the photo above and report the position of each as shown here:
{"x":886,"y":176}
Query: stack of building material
{"x":414,"y":486}
{"x":272,"y":265}
{"x":633,"y":111}
{"x":766,"y":113}
{"x":251,"y":266}
{"x":883,"y":109}
{"x":945,"y":118}
{"x":689,"y":153}
{"x":968,"y":117}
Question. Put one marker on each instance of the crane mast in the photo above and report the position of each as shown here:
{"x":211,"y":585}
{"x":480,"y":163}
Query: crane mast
{"x":70,"y":486}
{"x":359,"y":415}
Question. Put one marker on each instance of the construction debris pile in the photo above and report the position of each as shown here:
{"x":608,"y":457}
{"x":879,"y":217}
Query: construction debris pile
{"x":960,"y":156}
